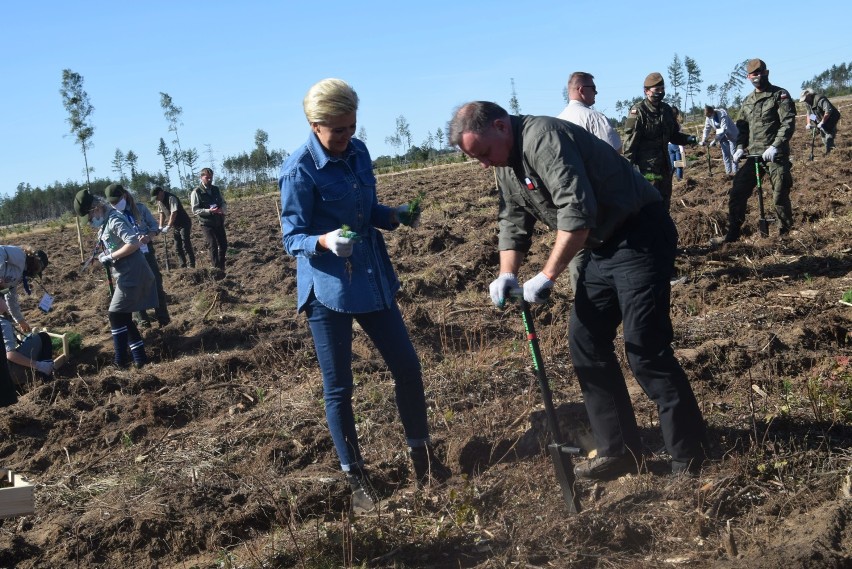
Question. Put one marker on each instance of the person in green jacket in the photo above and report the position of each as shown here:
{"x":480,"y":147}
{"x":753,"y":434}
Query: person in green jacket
{"x":822,"y":115}
{"x":766,"y":124}
{"x":651,"y":126}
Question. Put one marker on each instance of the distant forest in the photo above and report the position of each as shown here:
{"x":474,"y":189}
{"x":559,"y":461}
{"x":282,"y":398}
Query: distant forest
{"x":258,"y":167}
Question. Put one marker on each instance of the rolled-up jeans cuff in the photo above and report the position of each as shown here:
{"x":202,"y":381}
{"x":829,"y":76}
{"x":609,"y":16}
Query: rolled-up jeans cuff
{"x":348,"y":467}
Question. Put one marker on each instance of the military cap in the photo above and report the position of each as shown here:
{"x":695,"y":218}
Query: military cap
{"x":653,"y":80}
{"x":805,"y":94}
{"x":114,"y":193}
{"x":755,"y":65}
{"x":155,"y":190}
{"x":83,"y":202}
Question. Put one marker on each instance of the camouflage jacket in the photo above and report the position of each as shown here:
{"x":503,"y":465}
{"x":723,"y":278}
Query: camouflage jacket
{"x":767,"y":118}
{"x":648,"y":131}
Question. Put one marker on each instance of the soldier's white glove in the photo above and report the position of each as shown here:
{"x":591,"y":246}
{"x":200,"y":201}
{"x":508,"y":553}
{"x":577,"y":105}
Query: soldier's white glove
{"x":820,"y":125}
{"x":339,"y":245}
{"x":500,"y":287}
{"x":537,"y":289}
{"x":45,"y":367}
{"x":769,"y":154}
{"x":105,"y":258}
{"x":738,"y":155}
{"x":809,"y":126}
{"x":165,"y":229}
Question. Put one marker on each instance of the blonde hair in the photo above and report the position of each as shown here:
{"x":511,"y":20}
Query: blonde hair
{"x":328,"y":99}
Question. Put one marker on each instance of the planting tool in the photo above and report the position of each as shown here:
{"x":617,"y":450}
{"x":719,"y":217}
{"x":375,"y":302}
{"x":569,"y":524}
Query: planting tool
{"x":813,"y":137}
{"x":560,"y":453}
{"x":762,"y":223}
{"x":166,"y":248}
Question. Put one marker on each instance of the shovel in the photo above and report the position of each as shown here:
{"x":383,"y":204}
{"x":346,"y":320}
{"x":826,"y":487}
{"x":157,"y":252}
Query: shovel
{"x":560,"y":453}
{"x":762,"y":223}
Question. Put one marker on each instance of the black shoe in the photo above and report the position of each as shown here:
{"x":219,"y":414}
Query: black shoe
{"x":364,"y":497}
{"x":428,"y":468}
{"x":164,"y":322}
{"x":729,"y":237}
{"x":606,"y":467}
{"x":691,"y":468}
{"x":784,"y":231}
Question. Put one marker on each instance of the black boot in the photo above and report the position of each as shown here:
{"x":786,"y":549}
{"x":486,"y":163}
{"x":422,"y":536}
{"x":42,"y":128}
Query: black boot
{"x":428,"y":467}
{"x":364,"y":497}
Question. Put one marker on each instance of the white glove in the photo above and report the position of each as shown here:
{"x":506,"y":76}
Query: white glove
{"x":340,"y":246}
{"x":411,"y":219}
{"x":820,"y":126}
{"x":45,"y":367}
{"x":769,"y":154}
{"x":713,"y":142}
{"x":537,"y":289}
{"x":738,"y":155}
{"x":809,"y":126}
{"x":105,"y":258}
{"x":702,"y":142}
{"x":500,"y":287}
{"x":165,"y":229}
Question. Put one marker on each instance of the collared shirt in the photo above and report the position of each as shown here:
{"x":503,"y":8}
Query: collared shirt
{"x":567,"y":178}
{"x":321,"y":193}
{"x":593,"y":121}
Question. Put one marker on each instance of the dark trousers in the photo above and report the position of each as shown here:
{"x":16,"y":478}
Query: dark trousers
{"x":332,"y":333}
{"x":162,"y":309}
{"x":217,"y":244}
{"x":627,"y":282}
{"x":773,"y":175}
{"x":664,"y":186}
{"x":183,"y":244}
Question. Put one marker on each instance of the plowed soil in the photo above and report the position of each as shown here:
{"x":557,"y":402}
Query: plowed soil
{"x":216,"y":454}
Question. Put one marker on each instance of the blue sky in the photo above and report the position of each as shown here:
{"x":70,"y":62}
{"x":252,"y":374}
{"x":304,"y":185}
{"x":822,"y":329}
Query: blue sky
{"x":235,"y":67}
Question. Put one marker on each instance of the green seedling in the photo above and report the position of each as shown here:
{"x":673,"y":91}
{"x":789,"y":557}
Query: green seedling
{"x":347,"y":233}
{"x":414,"y":205}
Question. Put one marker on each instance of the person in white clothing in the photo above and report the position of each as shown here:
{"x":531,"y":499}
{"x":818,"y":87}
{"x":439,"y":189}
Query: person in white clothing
{"x":726,"y":135}
{"x":581,"y":97}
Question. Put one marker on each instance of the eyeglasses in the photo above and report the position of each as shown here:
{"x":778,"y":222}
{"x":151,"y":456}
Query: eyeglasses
{"x":592,"y":87}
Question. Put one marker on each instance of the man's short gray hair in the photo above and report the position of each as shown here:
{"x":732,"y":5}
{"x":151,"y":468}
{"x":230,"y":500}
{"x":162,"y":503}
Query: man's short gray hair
{"x":328,"y":99}
{"x":475,"y":117}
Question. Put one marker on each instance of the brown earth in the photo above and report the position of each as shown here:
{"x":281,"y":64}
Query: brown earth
{"x":217,"y":454}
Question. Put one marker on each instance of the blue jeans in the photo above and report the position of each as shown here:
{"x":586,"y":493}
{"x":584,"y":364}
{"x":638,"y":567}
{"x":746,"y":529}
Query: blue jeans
{"x":332,"y":333}
{"x":674,"y":154}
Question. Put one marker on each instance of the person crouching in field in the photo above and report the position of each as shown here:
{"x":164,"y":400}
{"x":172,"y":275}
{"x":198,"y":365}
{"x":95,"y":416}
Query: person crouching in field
{"x":135,"y":288}
{"x":344,"y":274}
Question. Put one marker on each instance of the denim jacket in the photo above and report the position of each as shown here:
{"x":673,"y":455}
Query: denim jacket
{"x":321,"y":193}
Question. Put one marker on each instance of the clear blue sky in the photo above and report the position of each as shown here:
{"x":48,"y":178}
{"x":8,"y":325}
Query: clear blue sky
{"x":235,"y":67}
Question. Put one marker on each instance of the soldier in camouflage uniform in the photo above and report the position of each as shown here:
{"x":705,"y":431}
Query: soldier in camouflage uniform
{"x":766,"y":124}
{"x":821,"y":115}
{"x":651,"y":126}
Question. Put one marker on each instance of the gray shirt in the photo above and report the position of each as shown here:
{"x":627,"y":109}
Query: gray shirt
{"x":568,"y":179}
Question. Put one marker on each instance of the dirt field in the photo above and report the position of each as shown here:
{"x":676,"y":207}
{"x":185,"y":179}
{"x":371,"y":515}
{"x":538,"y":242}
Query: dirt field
{"x":217,"y":454}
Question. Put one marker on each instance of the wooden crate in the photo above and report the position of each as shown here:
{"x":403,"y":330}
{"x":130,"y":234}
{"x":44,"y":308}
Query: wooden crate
{"x":16,"y":495}
{"x":59,"y":361}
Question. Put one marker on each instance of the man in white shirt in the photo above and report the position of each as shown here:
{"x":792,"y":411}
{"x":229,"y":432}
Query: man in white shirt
{"x":581,"y":97}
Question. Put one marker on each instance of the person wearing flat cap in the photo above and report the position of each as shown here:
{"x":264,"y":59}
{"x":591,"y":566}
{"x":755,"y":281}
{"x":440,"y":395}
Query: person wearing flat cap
{"x":135,"y":288}
{"x":651,"y":126}
{"x":766,"y":124}
{"x":821,"y":115}
{"x":141,"y":218}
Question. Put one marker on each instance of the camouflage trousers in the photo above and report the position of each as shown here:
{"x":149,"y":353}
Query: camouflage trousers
{"x":776,"y":176}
